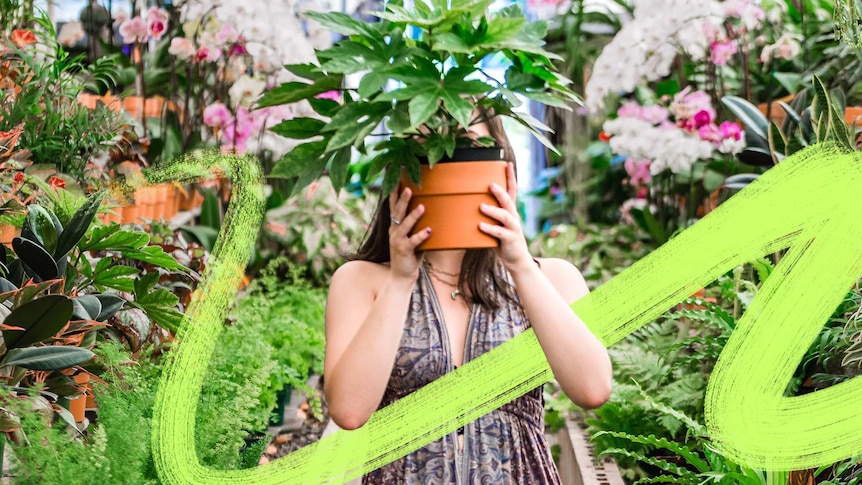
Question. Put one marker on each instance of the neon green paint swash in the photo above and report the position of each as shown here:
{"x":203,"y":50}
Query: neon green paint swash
{"x":805,"y":203}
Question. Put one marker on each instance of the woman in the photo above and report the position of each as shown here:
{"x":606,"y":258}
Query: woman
{"x":388,"y":334}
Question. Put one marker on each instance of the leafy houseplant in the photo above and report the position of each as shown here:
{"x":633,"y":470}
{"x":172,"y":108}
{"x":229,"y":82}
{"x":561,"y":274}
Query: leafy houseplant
{"x":434,"y":54}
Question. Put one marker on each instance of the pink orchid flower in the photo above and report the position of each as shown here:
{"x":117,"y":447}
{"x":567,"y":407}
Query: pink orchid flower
{"x":134,"y":30}
{"x":638,"y":171}
{"x":730,"y":129}
{"x":157,"y":22}
{"x":217,"y":115}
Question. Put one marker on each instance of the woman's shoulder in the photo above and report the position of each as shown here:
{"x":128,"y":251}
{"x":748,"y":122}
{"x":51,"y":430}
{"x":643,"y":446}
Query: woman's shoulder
{"x":565,"y":277}
{"x":557,"y":266}
{"x":352,"y":273}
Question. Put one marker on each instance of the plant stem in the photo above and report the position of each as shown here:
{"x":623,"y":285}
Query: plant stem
{"x":139,"y":85}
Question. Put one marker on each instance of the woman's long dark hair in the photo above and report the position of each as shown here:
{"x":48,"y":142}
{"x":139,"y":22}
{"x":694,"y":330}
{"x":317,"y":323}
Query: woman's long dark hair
{"x":478,"y":264}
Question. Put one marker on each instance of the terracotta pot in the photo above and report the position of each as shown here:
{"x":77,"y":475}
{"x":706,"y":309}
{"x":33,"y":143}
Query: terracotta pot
{"x":451,"y":193}
{"x":853,"y":114}
{"x":147,"y":107}
{"x":8,"y":232}
{"x":189,"y":199}
{"x":78,"y":405}
{"x":171,"y":205}
{"x":146,"y":199}
{"x":109,"y":100}
{"x":777,"y":113}
{"x":160,"y":202}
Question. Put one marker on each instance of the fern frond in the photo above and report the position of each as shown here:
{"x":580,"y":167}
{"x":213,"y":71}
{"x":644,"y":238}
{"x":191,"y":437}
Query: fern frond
{"x":690,"y":456}
{"x":712,"y":315}
{"x":664,"y":465}
{"x":696,"y":428}
{"x":662,"y":479}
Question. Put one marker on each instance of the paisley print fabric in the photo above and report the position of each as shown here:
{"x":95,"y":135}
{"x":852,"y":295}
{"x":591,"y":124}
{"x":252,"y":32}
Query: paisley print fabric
{"x":506,"y":446}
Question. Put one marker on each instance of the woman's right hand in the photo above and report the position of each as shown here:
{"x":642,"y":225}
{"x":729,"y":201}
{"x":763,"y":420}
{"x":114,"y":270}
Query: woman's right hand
{"x":404,"y":259}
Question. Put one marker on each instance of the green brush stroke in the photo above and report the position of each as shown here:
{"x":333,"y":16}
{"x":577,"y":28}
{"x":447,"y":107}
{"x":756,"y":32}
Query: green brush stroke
{"x":805,"y":203}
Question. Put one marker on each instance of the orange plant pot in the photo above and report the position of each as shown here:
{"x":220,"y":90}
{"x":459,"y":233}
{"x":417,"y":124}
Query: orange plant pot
{"x":160,"y":202}
{"x":8,"y":232}
{"x":91,"y":100}
{"x":777,"y":113}
{"x":189,"y":199}
{"x":148,"y":107}
{"x":451,"y":193}
{"x":78,"y":405}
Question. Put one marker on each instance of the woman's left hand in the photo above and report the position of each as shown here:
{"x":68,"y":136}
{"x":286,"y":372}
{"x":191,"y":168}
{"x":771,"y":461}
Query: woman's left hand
{"x":513,"y":250}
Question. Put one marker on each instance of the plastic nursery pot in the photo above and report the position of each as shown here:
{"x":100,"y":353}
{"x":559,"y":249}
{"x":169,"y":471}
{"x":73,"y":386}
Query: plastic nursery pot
{"x":78,"y":405}
{"x":451,"y":192}
{"x":282,"y":398}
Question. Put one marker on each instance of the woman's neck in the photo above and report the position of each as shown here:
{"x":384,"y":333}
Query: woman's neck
{"x":446,"y":261}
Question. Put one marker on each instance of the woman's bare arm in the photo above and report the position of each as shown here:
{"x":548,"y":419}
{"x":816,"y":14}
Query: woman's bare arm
{"x":365,"y":313}
{"x":579,"y":361}
{"x":363,"y":332}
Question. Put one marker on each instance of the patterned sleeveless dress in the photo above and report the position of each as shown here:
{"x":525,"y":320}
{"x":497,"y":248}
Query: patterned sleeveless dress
{"x":506,"y":446}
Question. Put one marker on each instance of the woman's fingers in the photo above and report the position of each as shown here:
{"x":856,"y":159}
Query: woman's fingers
{"x":420,"y":237}
{"x":503,"y":197}
{"x":408,"y":221}
{"x":505,"y":217}
{"x":400,"y":208}
{"x":499,"y":232}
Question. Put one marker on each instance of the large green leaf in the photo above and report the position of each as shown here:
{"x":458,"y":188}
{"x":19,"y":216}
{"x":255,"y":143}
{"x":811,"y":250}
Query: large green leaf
{"x":748,"y":114}
{"x":116,"y":277}
{"x":40,"y":223}
{"x":339,"y":168}
{"x":37,"y":262}
{"x":117,"y":240}
{"x":343,"y":24}
{"x":423,"y":106}
{"x":355,"y":132}
{"x":111,"y":304}
{"x":292,"y":92}
{"x":47,"y":358}
{"x":307,"y":71}
{"x":324,"y":106}
{"x":78,"y":224}
{"x":352,"y":113}
{"x":299,"y":160}
{"x":299,"y":128}
{"x":40,"y":320}
{"x":86,"y":307}
{"x":458,"y":107}
{"x":157,"y":256}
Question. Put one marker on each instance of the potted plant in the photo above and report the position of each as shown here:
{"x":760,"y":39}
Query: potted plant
{"x":432,"y":54}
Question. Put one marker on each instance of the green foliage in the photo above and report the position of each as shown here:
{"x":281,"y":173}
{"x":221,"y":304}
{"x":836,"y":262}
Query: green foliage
{"x":670,"y":361}
{"x":117,"y":450}
{"x":56,"y":129}
{"x":63,"y":288}
{"x":288,"y":314}
{"x":693,"y":462}
{"x":441,"y":87}
{"x":313,"y":231}
{"x":818,"y":121}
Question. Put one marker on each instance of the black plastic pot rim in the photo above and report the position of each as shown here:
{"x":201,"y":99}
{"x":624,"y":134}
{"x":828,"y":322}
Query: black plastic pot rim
{"x":472,"y":154}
